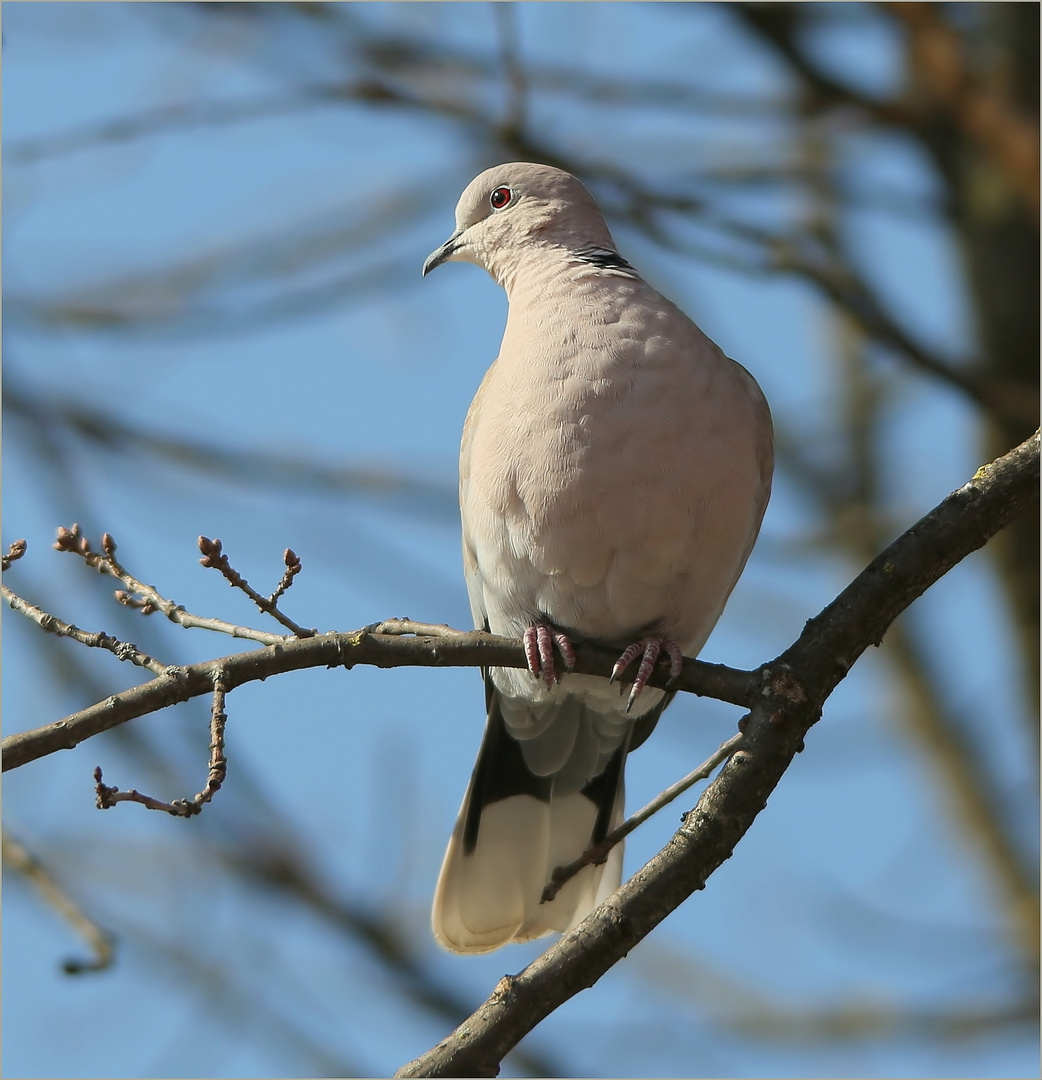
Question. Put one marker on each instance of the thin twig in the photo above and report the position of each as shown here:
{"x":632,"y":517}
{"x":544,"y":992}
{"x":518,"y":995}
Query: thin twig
{"x":660,"y":93}
{"x":599,"y":852}
{"x":213,"y":556}
{"x":293,"y":567}
{"x":109,"y":432}
{"x":122,"y":650}
{"x":19,"y":858}
{"x":218,"y":762}
{"x":146,"y":598}
{"x":107,"y":796}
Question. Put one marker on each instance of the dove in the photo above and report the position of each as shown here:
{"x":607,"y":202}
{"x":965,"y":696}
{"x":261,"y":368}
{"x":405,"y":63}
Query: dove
{"x":615,"y":467}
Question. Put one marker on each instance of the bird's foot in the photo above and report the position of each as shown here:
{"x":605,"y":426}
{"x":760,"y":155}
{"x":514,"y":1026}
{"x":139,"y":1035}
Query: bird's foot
{"x":539,"y":642}
{"x":648,"y":649}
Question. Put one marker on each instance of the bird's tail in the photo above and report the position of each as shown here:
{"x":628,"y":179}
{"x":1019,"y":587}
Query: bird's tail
{"x":533,"y":804}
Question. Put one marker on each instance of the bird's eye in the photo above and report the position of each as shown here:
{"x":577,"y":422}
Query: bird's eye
{"x":500,"y":197}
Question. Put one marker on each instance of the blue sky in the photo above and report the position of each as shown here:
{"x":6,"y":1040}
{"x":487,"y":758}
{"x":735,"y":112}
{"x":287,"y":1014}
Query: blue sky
{"x":852,"y":886}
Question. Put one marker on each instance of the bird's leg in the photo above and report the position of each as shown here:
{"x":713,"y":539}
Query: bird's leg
{"x":648,"y":649}
{"x":539,"y":642}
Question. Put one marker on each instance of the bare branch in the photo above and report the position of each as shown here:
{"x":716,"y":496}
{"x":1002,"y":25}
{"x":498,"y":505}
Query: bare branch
{"x":853,"y":296}
{"x":776,"y":252}
{"x":293,"y":567}
{"x":856,"y":1020}
{"x":795,"y":687}
{"x":214,"y":113}
{"x":263,"y":858}
{"x":960,"y":524}
{"x":213,"y":556}
{"x":779,"y":26}
{"x":448,"y":648}
{"x":982,"y":110}
{"x":409,"y":626}
{"x":418,"y":64}
{"x":109,"y":796}
{"x":186,"y":808}
{"x":599,"y":852}
{"x":108,"y":431}
{"x":20,"y":859}
{"x":791,"y":692}
{"x":122,"y":650}
{"x":146,"y":597}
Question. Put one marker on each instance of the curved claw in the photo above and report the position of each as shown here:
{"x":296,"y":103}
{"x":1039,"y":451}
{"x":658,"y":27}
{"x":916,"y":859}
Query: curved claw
{"x":627,"y":658}
{"x":648,"y":649}
{"x":539,"y":640}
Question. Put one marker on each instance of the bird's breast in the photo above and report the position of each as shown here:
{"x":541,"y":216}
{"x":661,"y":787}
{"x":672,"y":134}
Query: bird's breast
{"x":609,"y":481}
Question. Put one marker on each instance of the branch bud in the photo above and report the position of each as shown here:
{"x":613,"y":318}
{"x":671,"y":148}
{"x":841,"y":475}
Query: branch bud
{"x":211,"y":550}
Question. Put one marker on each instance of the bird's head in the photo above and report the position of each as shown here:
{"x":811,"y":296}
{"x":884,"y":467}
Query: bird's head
{"x":511,"y":209}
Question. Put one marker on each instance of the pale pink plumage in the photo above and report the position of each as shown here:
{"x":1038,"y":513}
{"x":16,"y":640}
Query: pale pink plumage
{"x":614,"y":470}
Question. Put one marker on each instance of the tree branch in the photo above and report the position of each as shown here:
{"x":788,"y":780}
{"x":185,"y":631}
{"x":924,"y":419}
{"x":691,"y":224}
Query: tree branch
{"x":599,"y":852}
{"x":122,"y":650}
{"x":382,"y":645}
{"x":786,"y":696}
{"x":20,"y":859}
{"x":109,"y":796}
{"x":215,"y":558}
{"x":145,"y":598}
{"x":982,"y":109}
{"x":795,"y":686}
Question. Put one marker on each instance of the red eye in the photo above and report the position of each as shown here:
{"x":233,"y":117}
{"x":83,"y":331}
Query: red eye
{"x":500,"y":197}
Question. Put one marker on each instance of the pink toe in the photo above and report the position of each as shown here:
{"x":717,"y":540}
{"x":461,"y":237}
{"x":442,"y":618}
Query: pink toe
{"x":626,"y":659}
{"x":566,"y":648}
{"x":649,"y":650}
{"x":532,"y":650}
{"x":676,"y":659}
{"x":539,"y":640}
{"x":546,"y":655}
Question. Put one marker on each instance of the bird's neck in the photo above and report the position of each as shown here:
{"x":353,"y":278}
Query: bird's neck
{"x":552,"y":267}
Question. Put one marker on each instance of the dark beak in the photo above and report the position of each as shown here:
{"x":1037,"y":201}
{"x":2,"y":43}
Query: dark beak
{"x":440,"y":255}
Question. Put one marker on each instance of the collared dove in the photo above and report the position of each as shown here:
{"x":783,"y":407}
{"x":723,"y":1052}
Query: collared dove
{"x":614,"y":469}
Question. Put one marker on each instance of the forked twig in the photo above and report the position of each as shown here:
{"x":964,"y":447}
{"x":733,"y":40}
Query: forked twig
{"x":214,"y":556}
{"x":146,"y":598}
